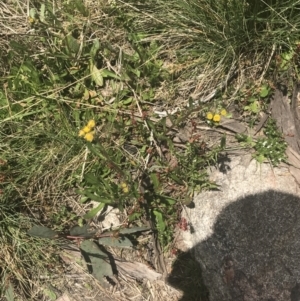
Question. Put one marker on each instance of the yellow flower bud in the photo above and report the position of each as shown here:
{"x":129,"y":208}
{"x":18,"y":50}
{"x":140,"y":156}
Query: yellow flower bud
{"x":217,"y":118}
{"x":223,"y":112}
{"x":209,"y":116}
{"x":125,"y":190}
{"x":31,"y":20}
{"x":81,"y":133}
{"x":86,"y":129}
{"x":89,"y":137}
{"x":124,"y":187}
{"x":91,"y":124}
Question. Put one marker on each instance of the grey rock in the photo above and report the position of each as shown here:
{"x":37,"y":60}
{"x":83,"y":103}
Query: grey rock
{"x":247,"y":234}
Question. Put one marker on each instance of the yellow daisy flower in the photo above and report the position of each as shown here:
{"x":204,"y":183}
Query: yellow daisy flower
{"x":89,"y":137}
{"x":86,"y":129}
{"x":31,"y":20}
{"x":217,"y":118}
{"x":91,"y":124}
{"x":223,"y":112}
{"x":209,"y":115}
{"x":81,"y":133}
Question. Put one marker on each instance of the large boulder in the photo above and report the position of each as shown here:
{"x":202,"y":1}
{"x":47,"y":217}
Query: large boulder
{"x":246,"y":235}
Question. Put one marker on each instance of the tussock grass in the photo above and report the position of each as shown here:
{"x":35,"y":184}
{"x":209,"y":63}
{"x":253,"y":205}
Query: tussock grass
{"x":211,"y":39}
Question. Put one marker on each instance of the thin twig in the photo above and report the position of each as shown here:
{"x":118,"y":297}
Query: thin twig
{"x":43,"y":277}
{"x":84,"y":163}
{"x":268,"y":64}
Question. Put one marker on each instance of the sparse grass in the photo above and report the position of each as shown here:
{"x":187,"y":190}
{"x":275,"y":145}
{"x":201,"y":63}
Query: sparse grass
{"x":65,"y":63}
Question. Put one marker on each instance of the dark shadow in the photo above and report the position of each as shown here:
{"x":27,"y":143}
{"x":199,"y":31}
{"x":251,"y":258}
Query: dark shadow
{"x":253,"y":253}
{"x":187,"y":276}
{"x":224,"y":163}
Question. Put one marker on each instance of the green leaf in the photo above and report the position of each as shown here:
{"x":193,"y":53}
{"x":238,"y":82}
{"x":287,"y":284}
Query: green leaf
{"x":42,"y":12}
{"x":253,"y":107}
{"x":286,"y":60}
{"x":125,"y":77}
{"x":50,"y":293}
{"x":127,"y":101}
{"x":161,"y":226}
{"x":106,"y":73}
{"x":252,"y":99}
{"x":148,"y":95}
{"x":264,"y":91}
{"x":83,"y":199}
{"x":98,"y":261}
{"x":260,"y":158}
{"x":151,"y":125}
{"x":91,"y":179}
{"x":134,"y":230}
{"x":83,"y":231}
{"x":287,"y":56}
{"x":72,"y":44}
{"x":95,"y":48}
{"x":134,"y":216}
{"x":32,"y":13}
{"x":94,"y":211}
{"x":119,"y":242}
{"x":155,"y":181}
{"x":82,"y":9}
{"x":96,"y":75}
{"x":95,"y":151}
{"x":41,"y":231}
{"x":166,"y":199}
{"x":176,"y":179}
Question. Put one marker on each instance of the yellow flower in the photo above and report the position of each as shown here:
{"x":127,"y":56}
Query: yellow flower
{"x":209,"y":116}
{"x":86,"y":129}
{"x":81,"y":133}
{"x":217,"y":118}
{"x":223,"y":112}
{"x":89,"y":137}
{"x":91,"y":124}
{"x":31,"y":20}
{"x":124,"y":187}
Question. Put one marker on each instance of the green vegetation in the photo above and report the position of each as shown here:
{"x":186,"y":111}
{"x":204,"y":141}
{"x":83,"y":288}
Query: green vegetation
{"x":102,"y":101}
{"x":272,"y":147}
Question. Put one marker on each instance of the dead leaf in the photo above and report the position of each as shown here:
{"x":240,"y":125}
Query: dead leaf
{"x":138,"y":270}
{"x":233,"y":126}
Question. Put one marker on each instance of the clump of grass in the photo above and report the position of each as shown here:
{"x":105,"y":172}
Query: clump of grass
{"x":35,"y":172}
{"x":23,"y":259}
{"x":211,"y":40}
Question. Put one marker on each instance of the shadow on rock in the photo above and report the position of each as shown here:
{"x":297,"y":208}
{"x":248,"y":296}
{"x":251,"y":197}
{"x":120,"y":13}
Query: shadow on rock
{"x":187,"y":277}
{"x":252,"y":255}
